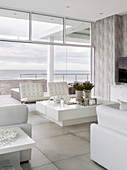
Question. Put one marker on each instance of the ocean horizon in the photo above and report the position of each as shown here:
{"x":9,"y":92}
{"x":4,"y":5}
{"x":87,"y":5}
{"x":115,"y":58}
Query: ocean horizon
{"x":15,"y":74}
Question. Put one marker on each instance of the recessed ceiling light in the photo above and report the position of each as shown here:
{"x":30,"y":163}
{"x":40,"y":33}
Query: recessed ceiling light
{"x":101,"y":13}
{"x":67,"y":6}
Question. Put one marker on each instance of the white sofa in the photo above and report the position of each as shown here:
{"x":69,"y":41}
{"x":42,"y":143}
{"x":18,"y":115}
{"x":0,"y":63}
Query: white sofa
{"x":17,"y":115}
{"x":109,"y":138}
{"x":31,"y":92}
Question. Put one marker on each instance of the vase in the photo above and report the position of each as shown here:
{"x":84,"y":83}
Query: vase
{"x":87,"y":93}
{"x":79,"y":94}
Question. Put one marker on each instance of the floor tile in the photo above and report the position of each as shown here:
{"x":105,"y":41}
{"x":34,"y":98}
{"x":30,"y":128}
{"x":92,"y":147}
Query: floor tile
{"x":35,"y":118}
{"x":78,"y":163}
{"x":84,"y":134}
{"x":8,"y":100}
{"x":63,"y":147}
{"x":37,"y":159}
{"x":47,"y":130}
{"x":46,"y":167}
{"x":78,"y":128}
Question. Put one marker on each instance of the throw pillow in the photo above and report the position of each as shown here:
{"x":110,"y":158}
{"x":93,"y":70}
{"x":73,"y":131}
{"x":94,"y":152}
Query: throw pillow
{"x":123,"y":105}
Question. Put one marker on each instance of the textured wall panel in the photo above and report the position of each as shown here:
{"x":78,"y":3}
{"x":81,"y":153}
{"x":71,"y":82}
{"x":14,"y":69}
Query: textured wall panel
{"x":108,"y":47}
{"x":124,"y":44}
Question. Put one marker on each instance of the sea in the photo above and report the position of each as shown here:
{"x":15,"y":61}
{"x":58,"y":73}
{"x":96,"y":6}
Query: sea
{"x":59,"y":75}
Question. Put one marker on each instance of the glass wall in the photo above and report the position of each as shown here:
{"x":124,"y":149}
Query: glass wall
{"x":60,"y":63}
{"x":71,"y":40}
{"x":14,"y":25}
{"x":78,"y":32}
{"x":47,"y":28}
{"x":30,"y":60}
{"x":19,"y":60}
{"x":72,"y":63}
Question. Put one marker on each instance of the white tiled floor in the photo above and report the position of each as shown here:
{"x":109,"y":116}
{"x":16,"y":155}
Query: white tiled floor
{"x":57,"y":148}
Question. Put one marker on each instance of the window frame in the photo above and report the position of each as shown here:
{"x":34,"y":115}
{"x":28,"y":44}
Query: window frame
{"x":54,"y":43}
{"x":49,"y":43}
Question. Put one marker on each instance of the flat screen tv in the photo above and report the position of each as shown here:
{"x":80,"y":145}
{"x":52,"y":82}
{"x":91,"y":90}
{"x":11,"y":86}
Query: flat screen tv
{"x":122,"y":69}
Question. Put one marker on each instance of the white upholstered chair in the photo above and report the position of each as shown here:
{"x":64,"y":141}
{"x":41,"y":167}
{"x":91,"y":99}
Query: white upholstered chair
{"x":58,"y":88}
{"x":31,"y":92}
{"x":17,"y":115}
{"x":109,"y":138}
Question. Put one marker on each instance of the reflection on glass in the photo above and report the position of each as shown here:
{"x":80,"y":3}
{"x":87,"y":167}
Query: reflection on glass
{"x":14,"y":25}
{"x":47,"y":28}
{"x":78,"y":32}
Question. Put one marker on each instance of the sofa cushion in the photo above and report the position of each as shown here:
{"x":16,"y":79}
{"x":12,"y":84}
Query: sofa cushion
{"x":13,"y":114}
{"x":34,"y":98}
{"x":112,"y":118}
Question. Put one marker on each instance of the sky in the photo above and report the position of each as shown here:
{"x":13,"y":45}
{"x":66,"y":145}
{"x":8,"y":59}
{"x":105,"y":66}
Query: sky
{"x":26,"y":56}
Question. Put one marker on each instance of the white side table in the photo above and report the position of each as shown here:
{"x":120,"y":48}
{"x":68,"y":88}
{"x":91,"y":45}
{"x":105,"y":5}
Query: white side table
{"x":10,"y":153}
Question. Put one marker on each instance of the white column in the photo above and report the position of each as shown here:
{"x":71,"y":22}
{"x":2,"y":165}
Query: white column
{"x":50,"y":71}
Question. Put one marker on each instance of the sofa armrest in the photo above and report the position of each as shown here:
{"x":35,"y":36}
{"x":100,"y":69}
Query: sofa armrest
{"x":112,"y":118}
{"x":13,"y":114}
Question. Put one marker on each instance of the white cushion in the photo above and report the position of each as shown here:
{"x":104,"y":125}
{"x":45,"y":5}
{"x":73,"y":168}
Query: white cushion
{"x":34,"y":98}
{"x":112,"y":118}
{"x":58,"y":88}
{"x":31,"y":91}
{"x":123,"y":105}
{"x":15,"y":89}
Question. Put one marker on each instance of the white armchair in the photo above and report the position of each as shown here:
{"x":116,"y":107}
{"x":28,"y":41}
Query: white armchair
{"x":59,"y":89}
{"x":17,"y":115}
{"x":109,"y":138}
{"x":31,"y":92}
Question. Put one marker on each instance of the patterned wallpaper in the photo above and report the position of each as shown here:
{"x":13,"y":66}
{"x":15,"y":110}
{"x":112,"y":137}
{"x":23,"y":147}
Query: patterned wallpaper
{"x":124,"y":44}
{"x":107,"y":40}
{"x":118,"y":42}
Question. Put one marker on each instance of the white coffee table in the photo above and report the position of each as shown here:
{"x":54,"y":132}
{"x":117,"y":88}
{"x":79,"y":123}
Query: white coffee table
{"x":10,"y":153}
{"x":65,"y":115}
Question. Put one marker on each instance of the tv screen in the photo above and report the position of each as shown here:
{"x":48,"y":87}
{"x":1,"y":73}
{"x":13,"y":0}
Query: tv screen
{"x":122,"y":69}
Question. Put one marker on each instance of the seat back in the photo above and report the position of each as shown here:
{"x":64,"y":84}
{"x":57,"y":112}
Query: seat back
{"x":30,"y":90}
{"x":13,"y":115}
{"x":58,"y":88}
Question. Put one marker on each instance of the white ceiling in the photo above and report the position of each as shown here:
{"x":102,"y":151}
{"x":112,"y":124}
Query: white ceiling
{"x":79,"y":9}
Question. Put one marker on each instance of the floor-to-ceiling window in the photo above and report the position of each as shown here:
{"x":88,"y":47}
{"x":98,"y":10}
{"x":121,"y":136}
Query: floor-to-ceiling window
{"x":25,"y":40}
